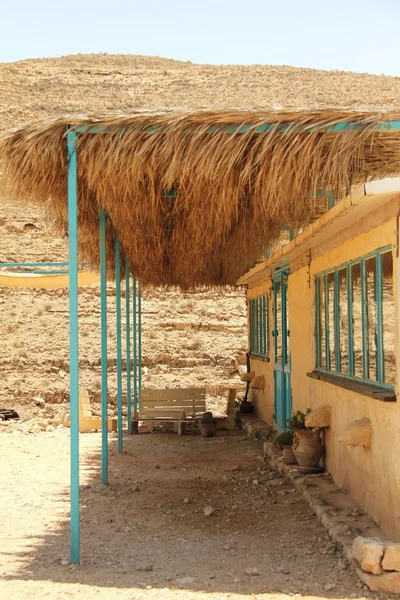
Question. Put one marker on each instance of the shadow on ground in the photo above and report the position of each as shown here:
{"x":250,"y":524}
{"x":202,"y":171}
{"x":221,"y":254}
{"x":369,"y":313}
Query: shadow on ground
{"x":148,"y":528}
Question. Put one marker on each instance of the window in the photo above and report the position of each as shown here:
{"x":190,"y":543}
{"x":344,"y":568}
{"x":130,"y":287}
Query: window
{"x":355,"y":319}
{"x":259,"y":326}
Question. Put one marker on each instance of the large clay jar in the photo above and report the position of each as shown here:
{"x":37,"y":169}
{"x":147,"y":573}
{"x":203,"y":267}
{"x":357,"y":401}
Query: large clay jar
{"x":307,"y":447}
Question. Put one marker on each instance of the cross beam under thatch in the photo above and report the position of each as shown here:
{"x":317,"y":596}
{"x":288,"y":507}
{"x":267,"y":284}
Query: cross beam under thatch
{"x":238,"y":177}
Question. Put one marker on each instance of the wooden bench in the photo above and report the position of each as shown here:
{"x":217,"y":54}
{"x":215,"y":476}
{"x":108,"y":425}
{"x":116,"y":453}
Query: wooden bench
{"x":179,"y":406}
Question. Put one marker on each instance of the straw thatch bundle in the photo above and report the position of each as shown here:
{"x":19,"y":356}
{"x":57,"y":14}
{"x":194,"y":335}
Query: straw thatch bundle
{"x":193,"y":202}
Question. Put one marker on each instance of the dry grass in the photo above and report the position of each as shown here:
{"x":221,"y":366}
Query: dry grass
{"x":234,"y":191}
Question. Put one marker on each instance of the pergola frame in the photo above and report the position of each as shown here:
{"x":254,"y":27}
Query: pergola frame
{"x":74,"y":345}
{"x":72,"y":133}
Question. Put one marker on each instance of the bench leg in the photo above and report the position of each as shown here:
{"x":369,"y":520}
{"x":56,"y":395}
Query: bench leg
{"x":150,"y":426}
{"x":135,"y":427}
{"x":181,"y":428}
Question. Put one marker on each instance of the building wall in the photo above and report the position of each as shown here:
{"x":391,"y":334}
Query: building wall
{"x":371,"y":476}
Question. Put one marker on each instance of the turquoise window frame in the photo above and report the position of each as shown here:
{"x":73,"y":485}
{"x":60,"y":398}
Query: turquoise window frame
{"x":259,"y":326}
{"x":321,"y":279}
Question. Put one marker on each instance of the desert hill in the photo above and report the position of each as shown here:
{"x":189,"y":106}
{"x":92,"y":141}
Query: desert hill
{"x":187,"y":340}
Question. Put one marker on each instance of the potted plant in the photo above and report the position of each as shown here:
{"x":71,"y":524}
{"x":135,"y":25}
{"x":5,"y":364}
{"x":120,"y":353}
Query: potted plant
{"x":285,"y":441}
{"x":307,"y":444}
{"x":208,"y":425}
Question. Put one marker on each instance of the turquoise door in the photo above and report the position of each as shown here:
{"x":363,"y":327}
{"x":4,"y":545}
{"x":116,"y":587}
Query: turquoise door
{"x":283,"y":393}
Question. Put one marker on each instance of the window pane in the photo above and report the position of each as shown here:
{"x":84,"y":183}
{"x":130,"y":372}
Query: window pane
{"x":331,"y":321}
{"x":343,"y":322}
{"x":370,"y":273}
{"x":321,"y":293}
{"x":253,"y":326}
{"x":287,"y":326}
{"x":266,"y":329}
{"x":388,"y":319}
{"x":357,"y":319}
{"x":278,"y":322}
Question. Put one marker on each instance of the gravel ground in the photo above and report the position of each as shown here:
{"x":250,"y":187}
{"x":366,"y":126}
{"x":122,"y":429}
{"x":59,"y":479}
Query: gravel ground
{"x":148,"y":535}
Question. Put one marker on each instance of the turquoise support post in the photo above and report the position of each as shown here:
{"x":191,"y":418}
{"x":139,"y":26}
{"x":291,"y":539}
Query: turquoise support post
{"x":104,"y":384}
{"x":73,"y":343}
{"x":140,"y":345}
{"x":135,"y":382}
{"x":128,"y":348}
{"x":119,"y":340}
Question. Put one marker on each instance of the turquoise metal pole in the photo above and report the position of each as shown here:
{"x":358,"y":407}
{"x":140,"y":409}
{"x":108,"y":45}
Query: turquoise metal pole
{"x":135,"y":382}
{"x":128,"y":348}
{"x":119,"y":340}
{"x":140,"y":345}
{"x":73,"y":344}
{"x":104,"y":384}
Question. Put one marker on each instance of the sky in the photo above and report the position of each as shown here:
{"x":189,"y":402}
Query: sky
{"x":352,"y":35}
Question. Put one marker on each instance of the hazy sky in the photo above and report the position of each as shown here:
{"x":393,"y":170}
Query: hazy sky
{"x":354,"y":35}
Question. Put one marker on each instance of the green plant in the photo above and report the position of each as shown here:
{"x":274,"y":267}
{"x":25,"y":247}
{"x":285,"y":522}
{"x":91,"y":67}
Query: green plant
{"x":297,"y":421}
{"x":285,"y":438}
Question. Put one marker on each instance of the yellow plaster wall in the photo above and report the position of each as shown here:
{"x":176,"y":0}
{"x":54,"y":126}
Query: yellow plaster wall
{"x":263,"y":400}
{"x":371,"y":476}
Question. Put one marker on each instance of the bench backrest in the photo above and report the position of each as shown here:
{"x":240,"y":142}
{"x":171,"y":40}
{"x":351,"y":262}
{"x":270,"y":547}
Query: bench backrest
{"x":191,"y":401}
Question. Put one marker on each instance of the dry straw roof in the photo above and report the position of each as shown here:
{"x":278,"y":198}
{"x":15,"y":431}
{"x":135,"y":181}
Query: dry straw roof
{"x":193,"y":201}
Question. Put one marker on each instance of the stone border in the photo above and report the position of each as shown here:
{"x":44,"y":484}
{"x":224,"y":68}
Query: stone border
{"x":355,"y":533}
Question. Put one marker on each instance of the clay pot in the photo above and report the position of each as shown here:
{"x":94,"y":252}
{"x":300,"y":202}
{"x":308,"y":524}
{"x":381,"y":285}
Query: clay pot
{"x":307,"y":447}
{"x":208,"y":430}
{"x":288,"y":455}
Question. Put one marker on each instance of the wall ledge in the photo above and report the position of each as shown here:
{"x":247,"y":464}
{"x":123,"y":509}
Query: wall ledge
{"x":360,"y":387}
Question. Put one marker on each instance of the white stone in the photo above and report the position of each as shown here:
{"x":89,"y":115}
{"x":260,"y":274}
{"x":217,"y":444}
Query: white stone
{"x":38,"y":401}
{"x":387,"y":582}
{"x":319,"y":417}
{"x":252,"y":572}
{"x":368,"y":552}
{"x":185,"y":581}
{"x":391,"y":558}
{"x":208,"y":511}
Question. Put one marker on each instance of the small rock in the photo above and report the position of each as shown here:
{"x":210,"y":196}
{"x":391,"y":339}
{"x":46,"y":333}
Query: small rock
{"x":64,"y":562}
{"x":211,"y":577}
{"x":252,"y":572}
{"x":135,"y":488}
{"x":284,"y":570}
{"x":208,"y":511}
{"x":186,"y":500}
{"x":255,"y":481}
{"x":185,"y":581}
{"x":157,"y":467}
{"x":144,"y":568}
{"x":329,"y":586}
{"x":38,"y":401}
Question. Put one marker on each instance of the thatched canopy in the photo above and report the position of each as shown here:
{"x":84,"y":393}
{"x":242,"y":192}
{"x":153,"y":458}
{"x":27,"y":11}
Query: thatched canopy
{"x":193,"y":198}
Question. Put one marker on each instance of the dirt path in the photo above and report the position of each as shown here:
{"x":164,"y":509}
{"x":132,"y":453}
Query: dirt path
{"x":146,"y":534}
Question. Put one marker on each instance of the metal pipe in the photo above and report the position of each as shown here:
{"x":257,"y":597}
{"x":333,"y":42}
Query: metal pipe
{"x":73,"y":344}
{"x":119,"y":341}
{"x":140,"y":344}
{"x":128,"y":348}
{"x":135,"y":383}
{"x":104,"y":384}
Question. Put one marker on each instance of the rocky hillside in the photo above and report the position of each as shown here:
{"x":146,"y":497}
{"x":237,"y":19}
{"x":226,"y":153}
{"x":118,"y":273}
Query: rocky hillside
{"x":197,"y":339}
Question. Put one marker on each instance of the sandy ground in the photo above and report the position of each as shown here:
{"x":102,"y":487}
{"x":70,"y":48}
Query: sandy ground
{"x":146,"y":535}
